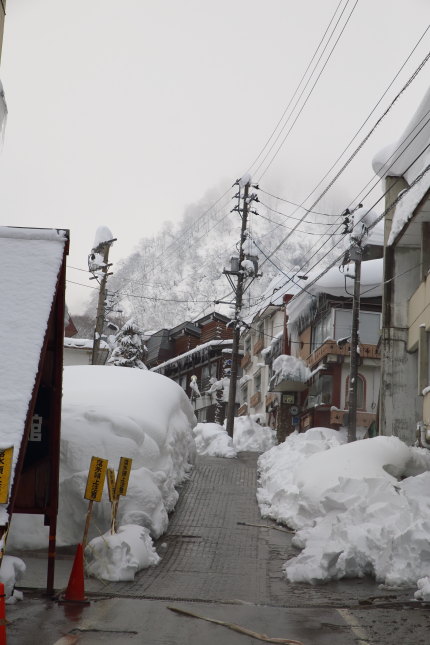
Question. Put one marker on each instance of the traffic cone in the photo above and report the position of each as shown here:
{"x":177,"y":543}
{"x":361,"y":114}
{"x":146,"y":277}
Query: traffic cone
{"x":75,"y":592}
{"x":2,"y":615}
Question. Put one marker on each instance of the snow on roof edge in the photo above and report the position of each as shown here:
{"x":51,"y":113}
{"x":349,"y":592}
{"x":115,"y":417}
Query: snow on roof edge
{"x":197,"y":348}
{"x":54,"y":234}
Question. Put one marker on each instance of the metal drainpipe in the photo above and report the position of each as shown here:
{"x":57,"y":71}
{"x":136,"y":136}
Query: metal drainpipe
{"x":421,"y":432}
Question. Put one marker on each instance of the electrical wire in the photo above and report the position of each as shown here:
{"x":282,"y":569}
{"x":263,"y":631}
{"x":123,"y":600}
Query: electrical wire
{"x":306,"y":100}
{"x":297,"y":88}
{"x":404,"y":87}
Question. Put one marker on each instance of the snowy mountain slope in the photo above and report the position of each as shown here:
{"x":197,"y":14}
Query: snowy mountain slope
{"x":178,"y":274}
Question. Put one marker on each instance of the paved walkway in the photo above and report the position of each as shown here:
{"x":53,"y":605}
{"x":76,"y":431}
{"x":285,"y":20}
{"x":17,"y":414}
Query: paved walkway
{"x":215,"y":563}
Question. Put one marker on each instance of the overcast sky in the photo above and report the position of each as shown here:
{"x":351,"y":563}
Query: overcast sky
{"x":123,"y":112}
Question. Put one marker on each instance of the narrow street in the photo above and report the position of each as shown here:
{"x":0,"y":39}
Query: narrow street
{"x":216,"y":564}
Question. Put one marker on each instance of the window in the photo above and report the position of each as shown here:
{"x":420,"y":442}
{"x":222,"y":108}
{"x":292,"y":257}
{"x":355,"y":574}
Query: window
{"x":244,"y":393}
{"x":321,"y":390}
{"x":257,"y":382}
{"x":322,"y":330}
{"x":369,"y":325}
{"x":247,"y":344}
{"x":206,"y":374}
{"x":260,"y":331}
{"x":361,"y":392}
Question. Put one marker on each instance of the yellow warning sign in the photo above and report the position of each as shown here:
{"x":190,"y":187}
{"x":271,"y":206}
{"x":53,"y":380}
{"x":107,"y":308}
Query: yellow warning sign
{"x":111,"y":483}
{"x":5,"y":470}
{"x":123,"y":476}
{"x":96,"y":479}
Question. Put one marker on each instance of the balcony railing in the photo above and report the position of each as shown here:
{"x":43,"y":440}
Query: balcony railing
{"x":364,"y":419}
{"x":331,"y":347}
{"x":242,"y":410}
{"x":246,"y":360}
{"x":258,"y":346}
{"x":255,"y":399}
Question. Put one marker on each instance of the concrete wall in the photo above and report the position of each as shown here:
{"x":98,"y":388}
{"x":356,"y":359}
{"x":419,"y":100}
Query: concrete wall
{"x":80,"y":355}
{"x":401,"y":407}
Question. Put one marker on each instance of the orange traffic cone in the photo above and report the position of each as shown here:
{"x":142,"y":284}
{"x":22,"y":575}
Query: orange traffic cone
{"x":75,"y":592}
{"x":2,"y":615}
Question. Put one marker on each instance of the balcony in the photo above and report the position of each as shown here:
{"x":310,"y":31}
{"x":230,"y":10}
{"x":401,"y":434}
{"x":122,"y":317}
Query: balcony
{"x":258,"y":346}
{"x":255,"y":400}
{"x":246,"y":360}
{"x":364,"y":419}
{"x":331,"y":347}
{"x":242,"y":410}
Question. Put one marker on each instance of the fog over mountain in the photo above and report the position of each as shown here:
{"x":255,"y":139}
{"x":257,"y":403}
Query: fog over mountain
{"x":178,"y":274}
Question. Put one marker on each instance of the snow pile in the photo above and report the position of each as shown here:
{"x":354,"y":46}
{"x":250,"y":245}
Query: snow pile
{"x":289,"y":368}
{"x":11,"y":572}
{"x":423,"y":592}
{"x":250,"y":436}
{"x":278,"y":495}
{"x":353,"y":516}
{"x":212,"y":440}
{"x":111,"y":412}
{"x":121,"y":555}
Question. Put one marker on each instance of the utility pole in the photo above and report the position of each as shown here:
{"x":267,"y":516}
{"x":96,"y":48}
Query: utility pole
{"x":96,"y":267}
{"x":238,"y":306}
{"x":355,"y":254}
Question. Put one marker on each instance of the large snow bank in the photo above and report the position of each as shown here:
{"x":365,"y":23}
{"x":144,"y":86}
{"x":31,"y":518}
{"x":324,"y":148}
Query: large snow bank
{"x":352,"y":514}
{"x":111,"y":412}
{"x":250,"y":436}
{"x":213,"y":440}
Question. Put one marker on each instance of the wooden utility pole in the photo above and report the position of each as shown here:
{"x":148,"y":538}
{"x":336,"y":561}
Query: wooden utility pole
{"x":238,"y":306}
{"x":102,"y":249}
{"x":355,"y":255}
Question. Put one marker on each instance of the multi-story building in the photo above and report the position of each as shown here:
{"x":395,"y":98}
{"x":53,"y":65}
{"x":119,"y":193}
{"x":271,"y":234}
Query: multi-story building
{"x":197,"y":355}
{"x":295,"y":373}
{"x":405,"y":400}
{"x":319,"y":329}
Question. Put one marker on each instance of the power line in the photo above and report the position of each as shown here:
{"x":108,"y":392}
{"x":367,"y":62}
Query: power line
{"x":307,"y":98}
{"x":297,"y":88}
{"x":288,"y":201}
{"x":414,"y":75}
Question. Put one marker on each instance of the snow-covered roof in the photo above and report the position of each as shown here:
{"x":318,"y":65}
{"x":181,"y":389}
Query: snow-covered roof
{"x":339,"y":284}
{"x":406,"y":207}
{"x":405,"y":158}
{"x":195,"y":350}
{"x":30,"y":261}
{"x":281,"y":285}
{"x":83,"y":343}
{"x":410,"y":144}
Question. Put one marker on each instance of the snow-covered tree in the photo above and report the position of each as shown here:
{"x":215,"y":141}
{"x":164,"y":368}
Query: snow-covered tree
{"x":129,"y":350}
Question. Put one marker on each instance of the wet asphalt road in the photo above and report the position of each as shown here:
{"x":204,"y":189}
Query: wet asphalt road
{"x":216,"y":564}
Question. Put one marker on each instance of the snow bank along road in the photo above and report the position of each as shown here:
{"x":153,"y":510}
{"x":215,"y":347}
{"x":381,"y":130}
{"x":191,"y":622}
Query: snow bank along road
{"x":217,"y":564}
